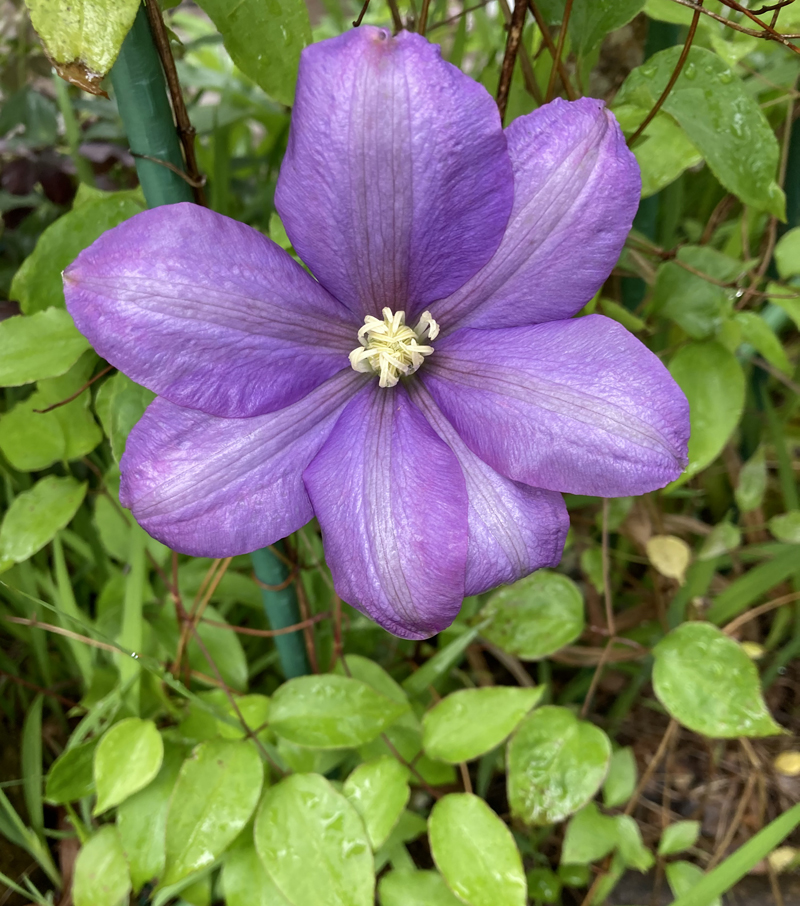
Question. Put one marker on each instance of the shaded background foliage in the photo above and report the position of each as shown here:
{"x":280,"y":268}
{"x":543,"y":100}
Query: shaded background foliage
{"x":619,"y":728}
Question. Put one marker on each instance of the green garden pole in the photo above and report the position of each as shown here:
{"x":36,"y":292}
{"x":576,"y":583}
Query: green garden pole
{"x":141,"y":92}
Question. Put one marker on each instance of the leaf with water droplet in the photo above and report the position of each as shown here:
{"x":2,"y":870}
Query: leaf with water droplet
{"x":313,"y":844}
{"x":707,"y":682}
{"x":127,"y":758}
{"x":379,"y":791}
{"x":476,"y":853}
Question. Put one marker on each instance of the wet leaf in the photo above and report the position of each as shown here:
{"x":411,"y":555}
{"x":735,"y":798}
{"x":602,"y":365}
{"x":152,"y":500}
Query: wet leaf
{"x":71,"y":776}
{"x":101,"y":872}
{"x":713,"y":382}
{"x":536,"y":616}
{"x":245,"y":880}
{"x":42,"y":345}
{"x":471,"y":722}
{"x":787,"y":254}
{"x":476,"y":853}
{"x":709,"y":100}
{"x":127,"y":758}
{"x":216,"y":793}
{"x":620,"y":782}
{"x":415,"y":888}
{"x":556,"y":764}
{"x":331,"y":712}
{"x":590,"y":835}
{"x":758,"y":333}
{"x":313,"y":844}
{"x":591,"y":20}
{"x":707,"y":682}
{"x":379,"y":792}
{"x":120,"y":403}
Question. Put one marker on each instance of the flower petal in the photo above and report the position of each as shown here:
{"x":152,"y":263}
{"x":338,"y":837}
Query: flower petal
{"x":514,"y":529}
{"x":578,"y":406}
{"x":396,"y":185}
{"x":217,"y":487}
{"x":576,"y":190}
{"x":207,"y":312}
{"x":391,"y":501}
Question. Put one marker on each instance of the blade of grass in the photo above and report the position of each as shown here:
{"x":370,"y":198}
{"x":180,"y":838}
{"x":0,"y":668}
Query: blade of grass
{"x":130,"y":636}
{"x":31,"y":760}
{"x":739,"y":595}
{"x":442,"y":661}
{"x":68,"y":606}
{"x":13,"y":827}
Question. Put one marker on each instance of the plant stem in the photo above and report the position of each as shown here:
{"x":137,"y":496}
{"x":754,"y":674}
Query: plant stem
{"x":141,"y":92}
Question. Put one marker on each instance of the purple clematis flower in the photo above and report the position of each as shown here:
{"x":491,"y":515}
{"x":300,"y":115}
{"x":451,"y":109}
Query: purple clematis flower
{"x":427,"y":396}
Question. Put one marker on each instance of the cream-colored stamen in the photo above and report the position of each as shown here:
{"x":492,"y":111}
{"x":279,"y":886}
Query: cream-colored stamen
{"x":390,"y":348}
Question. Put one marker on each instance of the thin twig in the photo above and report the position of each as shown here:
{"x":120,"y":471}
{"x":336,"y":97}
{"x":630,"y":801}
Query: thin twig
{"x":548,"y":43}
{"x":195,"y":182}
{"x":77,"y":393}
{"x":687,"y":45}
{"x":562,"y":34}
{"x":423,"y":17}
{"x":361,"y":15}
{"x":510,"y":57}
{"x":650,"y":769}
{"x":21,"y":682}
{"x":525,"y":63}
{"x":268,"y":633}
{"x":691,"y":4}
{"x":734,"y":825}
{"x":186,"y":131}
{"x":462,"y":767}
{"x":758,"y":611}
{"x":308,"y":629}
{"x":397,"y":20}
{"x":67,"y":633}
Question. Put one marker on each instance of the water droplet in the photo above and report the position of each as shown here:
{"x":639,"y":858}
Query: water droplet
{"x":726,"y":77}
{"x":648,"y":71}
{"x":690,"y":72}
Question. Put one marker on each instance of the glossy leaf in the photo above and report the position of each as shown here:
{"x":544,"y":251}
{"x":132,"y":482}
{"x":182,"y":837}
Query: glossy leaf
{"x":245,"y":880}
{"x":470,"y":722}
{"x":536,"y":616}
{"x":709,"y":100}
{"x":33,"y":440}
{"x":758,"y":333}
{"x":589,"y":836}
{"x":591,"y":20}
{"x":415,"y":888}
{"x":88,"y":33}
{"x":101,"y":872}
{"x":35,"y":516}
{"x":683,"y":876}
{"x":786,"y":527}
{"x":630,"y":846}
{"x":678,"y":837}
{"x":71,"y":775}
{"x":556,"y":764}
{"x":142,"y":820}
{"x":713,"y":382}
{"x":724,"y":537}
{"x":43,"y":345}
{"x":313,"y":844}
{"x":476,"y":853}
{"x":331,"y":712}
{"x":787,"y":254}
{"x":120,"y":403}
{"x":37,"y":284}
{"x":127,"y":758}
{"x":379,"y":792}
{"x":707,"y":682}
{"x":264,"y":39}
{"x":216,"y":793}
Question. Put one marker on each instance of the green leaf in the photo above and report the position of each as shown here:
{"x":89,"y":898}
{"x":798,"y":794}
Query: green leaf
{"x":264,"y":39}
{"x":120,"y":403}
{"x":695,"y":304}
{"x":707,"y":682}
{"x":101,"y":872}
{"x":627,"y":319}
{"x":663,"y":151}
{"x":42,"y":345}
{"x":630,"y":846}
{"x":215,"y":795}
{"x":71,"y":775}
{"x":142,"y":820}
{"x":254,"y":709}
{"x":745,"y":590}
{"x":678,"y":837}
{"x":415,"y":888}
{"x":783,"y":298}
{"x":35,"y":113}
{"x":786,"y":527}
{"x":37,"y":284}
{"x":591,"y":20}
{"x":787,"y":254}
{"x":724,"y":537}
{"x":442,"y":662}
{"x":620,"y":782}
{"x":536,"y":616}
{"x":752,"y":484}
{"x":32,"y":440}
{"x":127,"y":759}
{"x":476,"y":853}
{"x":331,"y":712}
{"x":758,"y":333}
{"x":313,"y":844}
{"x":709,"y":100}
{"x":408,"y":828}
{"x":556,"y":764}
{"x":471,"y":722}
{"x":245,"y":880}
{"x":36,"y":516}
{"x":85,"y":32}
{"x":590,"y":835}
{"x":713,"y":382}
{"x":683,"y":876}
{"x":544,"y":885}
{"x":379,"y":791}
{"x":31,"y":761}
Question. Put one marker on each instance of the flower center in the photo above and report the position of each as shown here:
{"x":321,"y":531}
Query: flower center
{"x":390,"y":348}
